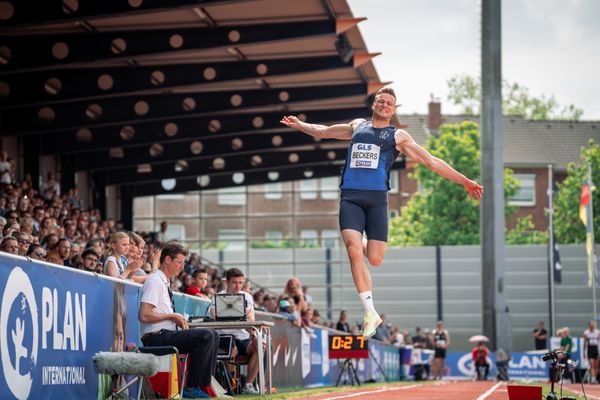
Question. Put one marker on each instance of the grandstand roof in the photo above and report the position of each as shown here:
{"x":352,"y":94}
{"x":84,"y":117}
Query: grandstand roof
{"x":170,"y":96}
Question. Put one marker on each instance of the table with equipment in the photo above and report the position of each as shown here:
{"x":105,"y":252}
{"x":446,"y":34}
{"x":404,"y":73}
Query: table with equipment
{"x":259,"y":327}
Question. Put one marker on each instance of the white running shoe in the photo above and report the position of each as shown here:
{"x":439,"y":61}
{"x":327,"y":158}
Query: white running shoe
{"x":370,"y":322}
{"x":249,"y":389}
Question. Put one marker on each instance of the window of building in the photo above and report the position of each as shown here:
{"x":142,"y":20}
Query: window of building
{"x":174,"y":231}
{"x":234,"y":239}
{"x":273,"y":191}
{"x":329,"y":188}
{"x":274,"y":236}
{"x":309,"y":236}
{"x":308,"y":189}
{"x":525,"y":194}
{"x":394,"y":185}
{"x":329,"y":238}
{"x":232,"y":196}
{"x":393,"y":213}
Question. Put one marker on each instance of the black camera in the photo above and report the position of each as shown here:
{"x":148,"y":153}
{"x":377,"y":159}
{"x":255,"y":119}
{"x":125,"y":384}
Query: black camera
{"x":556,"y":355}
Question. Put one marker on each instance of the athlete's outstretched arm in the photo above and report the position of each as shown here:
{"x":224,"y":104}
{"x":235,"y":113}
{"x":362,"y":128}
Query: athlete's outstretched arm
{"x":338,"y":131}
{"x":407,"y":145}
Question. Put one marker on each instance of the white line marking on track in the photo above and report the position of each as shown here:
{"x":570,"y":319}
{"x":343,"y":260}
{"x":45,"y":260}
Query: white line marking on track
{"x":579,"y":393}
{"x":490,"y":391}
{"x":385,"y":389}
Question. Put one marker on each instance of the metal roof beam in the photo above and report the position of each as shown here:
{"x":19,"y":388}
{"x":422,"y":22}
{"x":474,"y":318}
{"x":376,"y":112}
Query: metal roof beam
{"x":217,"y":181}
{"x":38,"y":51}
{"x":144,"y":134}
{"x":173,"y":152}
{"x":25,"y":13}
{"x":112,"y":111}
{"x":48,"y":86}
{"x":248,"y":162}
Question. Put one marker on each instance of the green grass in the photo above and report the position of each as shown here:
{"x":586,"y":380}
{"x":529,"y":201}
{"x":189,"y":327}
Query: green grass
{"x":546,"y":389}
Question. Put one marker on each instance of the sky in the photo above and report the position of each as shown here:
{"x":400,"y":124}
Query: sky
{"x":550,"y":46}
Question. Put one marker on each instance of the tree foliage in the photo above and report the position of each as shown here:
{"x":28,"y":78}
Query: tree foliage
{"x":465,"y":91}
{"x":567,"y":225}
{"x":441,"y":213}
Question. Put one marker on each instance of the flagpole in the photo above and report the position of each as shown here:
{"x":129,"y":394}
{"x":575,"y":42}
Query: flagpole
{"x":591,"y":266}
{"x":551,"y":248}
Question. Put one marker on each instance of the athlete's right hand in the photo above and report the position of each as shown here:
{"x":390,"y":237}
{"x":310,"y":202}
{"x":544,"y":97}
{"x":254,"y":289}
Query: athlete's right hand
{"x":291,"y":121}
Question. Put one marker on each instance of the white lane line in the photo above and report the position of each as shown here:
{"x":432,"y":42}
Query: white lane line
{"x":579,"y":393}
{"x":490,"y":391}
{"x":385,"y":389}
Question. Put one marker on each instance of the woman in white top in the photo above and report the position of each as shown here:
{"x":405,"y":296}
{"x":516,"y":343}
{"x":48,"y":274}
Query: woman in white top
{"x":590,"y":348}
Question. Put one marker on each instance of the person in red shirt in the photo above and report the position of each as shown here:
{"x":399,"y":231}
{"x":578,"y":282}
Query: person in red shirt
{"x":199,"y":281}
{"x":480,"y":354}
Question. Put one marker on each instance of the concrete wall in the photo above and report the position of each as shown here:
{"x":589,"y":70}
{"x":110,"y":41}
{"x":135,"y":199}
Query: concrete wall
{"x":405,"y":286}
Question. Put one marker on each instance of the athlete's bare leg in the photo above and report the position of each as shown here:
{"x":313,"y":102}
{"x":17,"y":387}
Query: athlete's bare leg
{"x":356,"y":255}
{"x":376,"y":252}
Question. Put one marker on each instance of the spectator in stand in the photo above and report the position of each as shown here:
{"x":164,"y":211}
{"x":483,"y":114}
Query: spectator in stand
{"x":269,"y":303}
{"x":9,"y":228}
{"x":307,"y":297}
{"x":2,"y":225}
{"x":24,"y":240}
{"x":382,"y":332}
{"x":5,"y":169}
{"x":293,"y":290}
{"x":134,"y":256}
{"x":316,"y":320}
{"x":118,"y":245}
{"x":258,"y":297}
{"x":9,"y":245}
{"x":38,"y":217}
{"x":418,"y":340}
{"x":306,"y":317}
{"x":396,"y":337}
{"x":342,"y":324}
{"x":161,"y":236}
{"x":90,"y":259}
{"x":59,"y":254}
{"x":247,"y":287}
{"x":36,"y":252}
{"x":50,"y":188}
{"x":73,"y":198}
{"x":49,"y":241}
{"x":192,"y":264}
{"x":27,"y":225}
{"x":540,"y":335}
{"x":479,"y":356}
{"x":199,"y":281}
{"x":288,"y":311}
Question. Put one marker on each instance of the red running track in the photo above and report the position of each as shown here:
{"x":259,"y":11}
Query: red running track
{"x":445,"y":390}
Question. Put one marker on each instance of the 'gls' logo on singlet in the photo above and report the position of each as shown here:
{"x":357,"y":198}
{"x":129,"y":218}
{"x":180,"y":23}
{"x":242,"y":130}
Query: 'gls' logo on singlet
{"x":364,"y":156}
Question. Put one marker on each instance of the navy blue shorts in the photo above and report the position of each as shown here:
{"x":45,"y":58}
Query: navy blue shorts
{"x":365,"y":211}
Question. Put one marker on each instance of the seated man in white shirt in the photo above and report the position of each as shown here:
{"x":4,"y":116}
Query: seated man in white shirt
{"x":245,"y":342}
{"x":159,"y":324}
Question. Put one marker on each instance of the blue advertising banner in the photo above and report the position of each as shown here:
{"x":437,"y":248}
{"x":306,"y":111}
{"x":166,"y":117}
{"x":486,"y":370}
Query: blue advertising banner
{"x":53,"y":320}
{"x":521,"y":366}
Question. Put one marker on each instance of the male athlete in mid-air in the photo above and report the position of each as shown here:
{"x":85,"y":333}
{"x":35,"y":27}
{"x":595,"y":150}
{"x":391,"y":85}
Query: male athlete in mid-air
{"x":374,"y":145}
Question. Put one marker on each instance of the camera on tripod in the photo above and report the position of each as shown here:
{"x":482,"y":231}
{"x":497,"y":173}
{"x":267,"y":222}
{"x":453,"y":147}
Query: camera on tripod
{"x":556,"y":356}
{"x":560,"y":360}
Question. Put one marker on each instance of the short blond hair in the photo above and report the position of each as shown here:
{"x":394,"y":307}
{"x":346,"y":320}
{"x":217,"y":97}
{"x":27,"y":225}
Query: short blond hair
{"x":387,"y":90}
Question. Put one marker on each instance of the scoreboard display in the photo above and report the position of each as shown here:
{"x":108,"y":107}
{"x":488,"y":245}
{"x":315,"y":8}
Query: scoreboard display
{"x":348,"y":346}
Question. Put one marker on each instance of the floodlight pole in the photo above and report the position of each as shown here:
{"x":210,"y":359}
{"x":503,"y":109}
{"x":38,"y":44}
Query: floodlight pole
{"x":496,"y":320}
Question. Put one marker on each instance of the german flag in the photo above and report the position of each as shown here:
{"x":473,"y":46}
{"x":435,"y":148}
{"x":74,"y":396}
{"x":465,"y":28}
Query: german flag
{"x":585,"y":213}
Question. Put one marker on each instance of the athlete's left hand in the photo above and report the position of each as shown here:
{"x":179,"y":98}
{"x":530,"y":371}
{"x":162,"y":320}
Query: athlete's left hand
{"x":475,"y":190}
